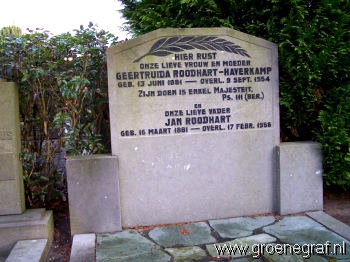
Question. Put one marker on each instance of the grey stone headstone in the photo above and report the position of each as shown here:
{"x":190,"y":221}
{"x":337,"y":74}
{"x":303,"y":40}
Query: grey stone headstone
{"x":194,"y":122}
{"x":93,"y":179}
{"x":11,"y":177}
{"x":299,"y":177}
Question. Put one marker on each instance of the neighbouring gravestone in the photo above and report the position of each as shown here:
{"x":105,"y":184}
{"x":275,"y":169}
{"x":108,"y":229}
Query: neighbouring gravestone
{"x":11,"y":181}
{"x":194,"y":122}
{"x":16,"y":223}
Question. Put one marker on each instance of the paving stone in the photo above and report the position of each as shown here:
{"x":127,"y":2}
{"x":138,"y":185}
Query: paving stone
{"x":186,"y":235}
{"x":271,"y":254}
{"x":303,"y":230}
{"x":245,"y":244}
{"x":184,"y":254}
{"x":131,"y":246}
{"x":239,"y":226}
{"x":128,"y":245}
{"x":246,"y":259}
{"x":293,"y":258}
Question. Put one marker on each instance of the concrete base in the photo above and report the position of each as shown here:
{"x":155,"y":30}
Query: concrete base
{"x":83,"y":248}
{"x":93,"y":186}
{"x":35,"y":250}
{"x":337,"y":226}
{"x":32,"y":224}
{"x":299,"y":177}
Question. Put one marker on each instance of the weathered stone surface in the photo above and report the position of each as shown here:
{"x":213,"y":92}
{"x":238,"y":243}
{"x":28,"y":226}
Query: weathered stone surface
{"x":239,"y":247}
{"x":83,"y":248}
{"x":304,"y":231}
{"x":246,"y":259}
{"x":186,"y":235}
{"x":240,"y":226}
{"x":94,"y":204}
{"x":280,"y":253}
{"x":6,"y":166}
{"x":128,"y":245}
{"x":184,"y":254}
{"x":32,"y":224}
{"x":131,"y":245}
{"x":11,"y":180}
{"x":330,"y":222}
{"x":201,"y":144}
{"x":34,"y":250}
{"x":299,"y":179}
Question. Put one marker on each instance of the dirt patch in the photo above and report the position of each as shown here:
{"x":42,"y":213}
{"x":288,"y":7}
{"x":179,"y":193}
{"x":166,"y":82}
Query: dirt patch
{"x":61,"y":244}
{"x":336,"y":203}
{"x":184,"y":231}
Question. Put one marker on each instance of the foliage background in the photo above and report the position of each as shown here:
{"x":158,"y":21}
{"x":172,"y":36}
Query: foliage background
{"x":314,"y":60}
{"x":63,"y":101}
{"x":11,"y":30}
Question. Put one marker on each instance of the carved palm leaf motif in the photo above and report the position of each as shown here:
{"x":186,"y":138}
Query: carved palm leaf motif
{"x":170,"y":45}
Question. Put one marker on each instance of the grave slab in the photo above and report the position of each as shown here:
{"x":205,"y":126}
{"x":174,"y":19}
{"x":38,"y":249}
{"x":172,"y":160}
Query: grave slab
{"x":94,"y":203}
{"x":284,"y":255}
{"x":246,"y":259}
{"x":128,"y":245}
{"x":246,"y":244}
{"x":299,"y":179}
{"x":304,"y":231}
{"x":240,"y":226}
{"x":194,"y":113}
{"x":184,"y":254}
{"x":185,"y":235}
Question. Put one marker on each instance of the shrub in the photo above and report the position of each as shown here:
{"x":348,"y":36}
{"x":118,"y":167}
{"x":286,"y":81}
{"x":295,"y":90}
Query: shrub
{"x":334,"y":134}
{"x":63,"y":101}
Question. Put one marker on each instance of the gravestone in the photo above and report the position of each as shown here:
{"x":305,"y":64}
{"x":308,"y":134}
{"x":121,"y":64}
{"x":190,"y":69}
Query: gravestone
{"x":194,"y":119}
{"x":16,"y":223}
{"x":11,"y":181}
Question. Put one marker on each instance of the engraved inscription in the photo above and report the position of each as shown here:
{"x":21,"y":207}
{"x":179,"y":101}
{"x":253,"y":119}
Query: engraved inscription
{"x":195,"y":84}
{"x":6,"y":137}
{"x":6,"y":134}
{"x":170,"y":45}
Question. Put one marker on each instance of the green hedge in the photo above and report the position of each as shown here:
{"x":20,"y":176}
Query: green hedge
{"x":314,"y":59}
